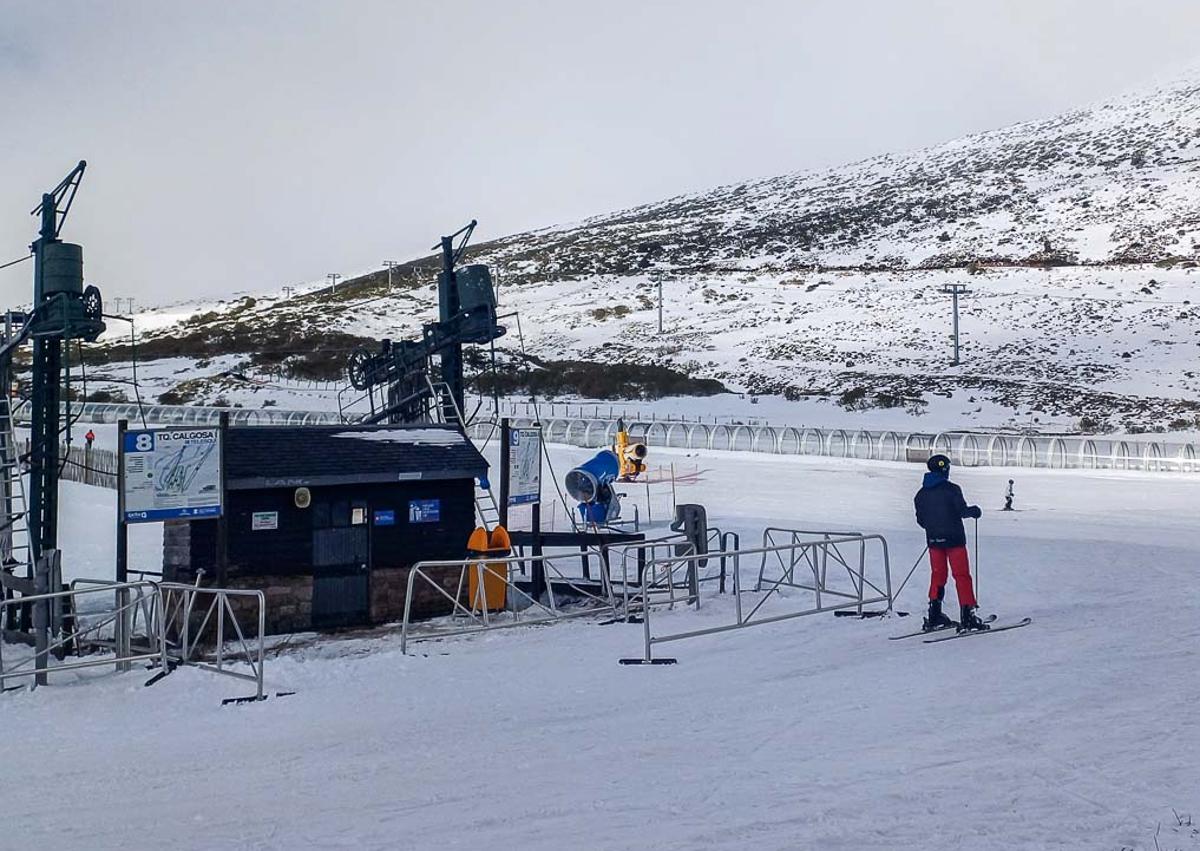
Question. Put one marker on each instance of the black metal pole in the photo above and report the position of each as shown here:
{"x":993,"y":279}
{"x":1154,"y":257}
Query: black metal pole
{"x":223,"y":518}
{"x":451,"y":306}
{"x":122,"y":526}
{"x":505,"y":470}
{"x":538,"y":573}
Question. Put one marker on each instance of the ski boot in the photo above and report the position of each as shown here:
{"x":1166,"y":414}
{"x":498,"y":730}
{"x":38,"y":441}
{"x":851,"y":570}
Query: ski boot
{"x":970,"y":621}
{"x":936,"y":620}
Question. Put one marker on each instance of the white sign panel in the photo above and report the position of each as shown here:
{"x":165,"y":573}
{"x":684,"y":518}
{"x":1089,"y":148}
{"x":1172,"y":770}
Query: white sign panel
{"x":524,"y":466}
{"x":264,"y":521}
{"x":170,"y":473}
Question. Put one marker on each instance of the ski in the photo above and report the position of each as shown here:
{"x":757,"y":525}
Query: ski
{"x":1017,"y":625}
{"x":954,"y":625}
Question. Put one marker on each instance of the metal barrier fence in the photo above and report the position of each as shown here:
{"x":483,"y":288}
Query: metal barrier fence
{"x":475,"y":614}
{"x":795,"y":559}
{"x":91,"y":627}
{"x":969,"y":449}
{"x":146,"y":621}
{"x":186,"y":643}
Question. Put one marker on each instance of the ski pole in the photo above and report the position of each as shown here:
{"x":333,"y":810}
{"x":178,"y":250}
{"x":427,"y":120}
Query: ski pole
{"x":977,"y":570}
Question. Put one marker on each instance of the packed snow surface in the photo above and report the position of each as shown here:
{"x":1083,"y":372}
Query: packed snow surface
{"x":1079,"y":731}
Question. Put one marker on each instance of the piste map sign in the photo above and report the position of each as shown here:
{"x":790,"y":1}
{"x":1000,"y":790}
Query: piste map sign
{"x":171,"y":473}
{"x":524,"y":466}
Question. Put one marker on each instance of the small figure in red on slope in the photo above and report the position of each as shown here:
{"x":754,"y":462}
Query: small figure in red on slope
{"x":940,"y":511}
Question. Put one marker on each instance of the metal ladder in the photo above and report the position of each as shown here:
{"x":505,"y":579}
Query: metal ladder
{"x":14,"y":519}
{"x":487,"y":509}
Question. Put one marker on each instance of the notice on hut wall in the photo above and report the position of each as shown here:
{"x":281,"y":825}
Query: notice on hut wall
{"x":264,"y":521}
{"x":171,"y":473}
{"x":425,"y":511}
{"x":524,"y":466}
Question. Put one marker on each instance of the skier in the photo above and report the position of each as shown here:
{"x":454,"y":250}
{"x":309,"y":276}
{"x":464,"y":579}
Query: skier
{"x":1008,"y":497}
{"x":940,"y":511}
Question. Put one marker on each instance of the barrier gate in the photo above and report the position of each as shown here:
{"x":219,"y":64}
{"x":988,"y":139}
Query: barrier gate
{"x":830,"y":571}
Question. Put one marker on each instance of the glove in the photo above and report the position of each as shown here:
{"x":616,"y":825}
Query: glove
{"x":974,"y":511}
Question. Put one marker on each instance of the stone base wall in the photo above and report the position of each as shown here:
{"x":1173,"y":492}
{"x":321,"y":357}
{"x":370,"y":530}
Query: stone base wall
{"x":389,"y":586}
{"x":287,"y":606}
{"x":289,"y":600}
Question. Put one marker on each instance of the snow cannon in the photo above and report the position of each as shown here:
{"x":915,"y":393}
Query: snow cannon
{"x":591,"y":484}
{"x":631,"y":455}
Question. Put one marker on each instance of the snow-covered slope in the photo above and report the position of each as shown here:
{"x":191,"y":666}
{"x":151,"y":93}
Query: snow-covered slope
{"x":1077,"y":236}
{"x":1077,"y":732}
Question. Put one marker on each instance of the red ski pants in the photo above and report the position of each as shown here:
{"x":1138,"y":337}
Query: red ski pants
{"x":959,"y":565}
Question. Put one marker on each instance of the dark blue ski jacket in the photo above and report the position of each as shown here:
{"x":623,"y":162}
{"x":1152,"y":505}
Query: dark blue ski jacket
{"x":940,"y":511}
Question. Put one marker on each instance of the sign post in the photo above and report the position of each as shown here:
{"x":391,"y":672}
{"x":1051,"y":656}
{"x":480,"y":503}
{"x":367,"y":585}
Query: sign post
{"x":122,"y":526}
{"x":524,"y":480}
{"x":505,"y":449}
{"x":521,"y":484}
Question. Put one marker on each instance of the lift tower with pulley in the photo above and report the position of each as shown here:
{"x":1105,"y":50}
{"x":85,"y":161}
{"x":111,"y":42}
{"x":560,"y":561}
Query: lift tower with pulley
{"x":62,"y":310}
{"x":398,"y":379}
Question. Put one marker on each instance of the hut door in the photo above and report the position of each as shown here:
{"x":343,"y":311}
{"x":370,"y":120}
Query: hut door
{"x":341,"y":565}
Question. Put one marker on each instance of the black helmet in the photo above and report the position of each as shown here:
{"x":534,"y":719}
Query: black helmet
{"x":938,"y":464}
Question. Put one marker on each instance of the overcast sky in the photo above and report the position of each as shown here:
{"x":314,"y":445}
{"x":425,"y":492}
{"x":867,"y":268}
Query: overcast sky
{"x":239,"y":146}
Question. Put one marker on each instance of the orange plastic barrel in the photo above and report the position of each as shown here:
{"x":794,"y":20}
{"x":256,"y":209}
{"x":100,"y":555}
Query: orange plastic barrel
{"x":495,"y":574}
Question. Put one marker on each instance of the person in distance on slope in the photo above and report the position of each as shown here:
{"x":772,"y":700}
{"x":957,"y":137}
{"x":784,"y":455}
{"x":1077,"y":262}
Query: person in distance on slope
{"x":940,"y":512}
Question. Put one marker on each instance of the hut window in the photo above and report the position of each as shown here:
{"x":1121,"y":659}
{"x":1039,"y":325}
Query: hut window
{"x":358,"y":515}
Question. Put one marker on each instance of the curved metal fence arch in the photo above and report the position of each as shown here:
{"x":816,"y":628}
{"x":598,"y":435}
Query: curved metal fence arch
{"x":861,"y":440}
{"x":726,"y":442}
{"x":843,"y":443}
{"x":965,"y":441}
{"x":656,"y":432}
{"x":1088,"y":452}
{"x":892,"y":439}
{"x":1056,"y":455}
{"x":1151,"y":457}
{"x":1088,"y":456}
{"x":812,"y":437}
{"x":1120,"y":456}
{"x":770,"y":435}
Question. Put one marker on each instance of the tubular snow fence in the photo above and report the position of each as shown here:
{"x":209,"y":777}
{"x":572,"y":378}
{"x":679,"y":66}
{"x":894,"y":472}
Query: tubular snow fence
{"x":965,"y":448}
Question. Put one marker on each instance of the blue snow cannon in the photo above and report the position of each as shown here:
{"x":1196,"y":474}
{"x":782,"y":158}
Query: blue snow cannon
{"x":591,"y":484}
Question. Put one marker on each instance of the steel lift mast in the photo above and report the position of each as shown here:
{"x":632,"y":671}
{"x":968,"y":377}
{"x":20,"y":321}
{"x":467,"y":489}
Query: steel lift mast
{"x":401,"y":371}
{"x":63,"y":310}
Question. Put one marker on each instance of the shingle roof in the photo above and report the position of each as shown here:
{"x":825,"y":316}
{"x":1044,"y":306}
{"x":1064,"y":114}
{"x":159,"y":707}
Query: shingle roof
{"x":291,"y":456}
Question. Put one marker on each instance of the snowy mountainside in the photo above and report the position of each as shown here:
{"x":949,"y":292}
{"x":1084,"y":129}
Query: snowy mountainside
{"x":1077,"y":237}
{"x":1114,"y":182}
